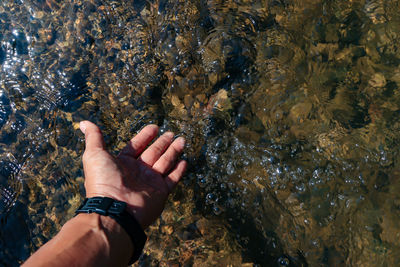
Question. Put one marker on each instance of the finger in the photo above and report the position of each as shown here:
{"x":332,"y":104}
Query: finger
{"x":138,"y":143}
{"x":176,"y":174}
{"x":93,"y":137}
{"x":168,"y":159}
{"x":154,"y":152}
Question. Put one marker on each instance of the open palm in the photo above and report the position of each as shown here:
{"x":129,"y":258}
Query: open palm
{"x":141,"y":175}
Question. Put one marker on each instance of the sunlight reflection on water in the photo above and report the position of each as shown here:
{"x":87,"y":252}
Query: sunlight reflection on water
{"x":290,"y":110}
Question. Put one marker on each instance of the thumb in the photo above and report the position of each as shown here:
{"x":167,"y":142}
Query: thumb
{"x":93,"y":136}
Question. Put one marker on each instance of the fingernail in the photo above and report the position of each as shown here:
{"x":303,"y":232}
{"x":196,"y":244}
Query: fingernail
{"x":169,"y":134}
{"x":181,"y":141}
{"x":82,"y":126}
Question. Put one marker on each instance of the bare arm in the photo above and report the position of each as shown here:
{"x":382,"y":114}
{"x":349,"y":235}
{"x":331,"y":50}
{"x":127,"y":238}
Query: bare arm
{"x":86,"y":240}
{"x":141,"y":176}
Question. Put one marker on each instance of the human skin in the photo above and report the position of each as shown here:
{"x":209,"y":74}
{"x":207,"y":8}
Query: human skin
{"x":142,"y":175}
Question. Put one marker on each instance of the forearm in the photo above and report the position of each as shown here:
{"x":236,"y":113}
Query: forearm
{"x":86,"y":240}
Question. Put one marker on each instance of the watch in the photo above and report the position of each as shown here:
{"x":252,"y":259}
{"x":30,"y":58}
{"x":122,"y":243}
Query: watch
{"x":117,"y":210}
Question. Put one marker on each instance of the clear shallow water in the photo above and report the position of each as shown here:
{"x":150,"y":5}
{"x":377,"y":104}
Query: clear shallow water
{"x":290,"y":109}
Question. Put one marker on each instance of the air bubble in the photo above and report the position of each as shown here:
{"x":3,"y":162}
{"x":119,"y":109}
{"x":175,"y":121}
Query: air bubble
{"x":210,"y":198}
{"x":283,"y":261}
{"x":217,"y":210}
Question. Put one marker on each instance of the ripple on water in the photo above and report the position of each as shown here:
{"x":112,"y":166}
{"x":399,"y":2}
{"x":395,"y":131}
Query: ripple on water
{"x":5,"y":109}
{"x":9,"y":187}
{"x":2,"y":55}
{"x":290,"y":110}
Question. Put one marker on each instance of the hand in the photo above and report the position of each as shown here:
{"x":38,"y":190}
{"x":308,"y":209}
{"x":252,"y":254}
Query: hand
{"x":143,"y":178}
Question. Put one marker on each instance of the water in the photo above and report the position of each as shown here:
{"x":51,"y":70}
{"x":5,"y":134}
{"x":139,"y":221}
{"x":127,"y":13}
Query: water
{"x":290,"y":109}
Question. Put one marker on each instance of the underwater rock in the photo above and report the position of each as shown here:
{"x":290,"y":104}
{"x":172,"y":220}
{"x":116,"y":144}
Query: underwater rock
{"x":219,"y":101}
{"x":300,"y":111}
{"x":377,"y":80}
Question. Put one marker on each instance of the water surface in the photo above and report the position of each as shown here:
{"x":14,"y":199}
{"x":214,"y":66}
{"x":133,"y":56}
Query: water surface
{"x":290,"y":109}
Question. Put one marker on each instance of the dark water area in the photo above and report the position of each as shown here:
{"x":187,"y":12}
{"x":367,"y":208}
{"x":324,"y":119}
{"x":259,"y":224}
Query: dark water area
{"x":290,"y":110}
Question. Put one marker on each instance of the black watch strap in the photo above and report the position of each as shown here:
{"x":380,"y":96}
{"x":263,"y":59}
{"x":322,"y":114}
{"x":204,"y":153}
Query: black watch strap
{"x":117,"y":210}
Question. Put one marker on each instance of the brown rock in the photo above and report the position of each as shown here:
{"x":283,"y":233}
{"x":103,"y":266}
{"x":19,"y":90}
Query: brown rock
{"x":167,"y":229}
{"x":202,"y":225}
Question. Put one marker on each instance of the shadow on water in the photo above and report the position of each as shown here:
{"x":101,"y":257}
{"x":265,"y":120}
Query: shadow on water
{"x":259,"y":242}
{"x":15,"y":238}
{"x":258,"y":247}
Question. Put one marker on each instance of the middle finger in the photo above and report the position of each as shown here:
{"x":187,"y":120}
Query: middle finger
{"x":155,"y":150}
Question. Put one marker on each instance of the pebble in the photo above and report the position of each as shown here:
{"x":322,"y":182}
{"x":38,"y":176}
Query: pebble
{"x":167,"y":229}
{"x":378,"y":80}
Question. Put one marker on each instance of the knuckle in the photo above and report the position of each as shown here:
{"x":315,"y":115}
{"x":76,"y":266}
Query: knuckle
{"x":159,"y":149}
{"x":166,"y":157}
{"x":175,"y":150}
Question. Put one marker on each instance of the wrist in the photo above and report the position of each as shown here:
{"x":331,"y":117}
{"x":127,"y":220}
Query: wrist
{"x":117,"y":210}
{"x":110,"y":236}
{"x":132,"y":210}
